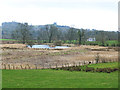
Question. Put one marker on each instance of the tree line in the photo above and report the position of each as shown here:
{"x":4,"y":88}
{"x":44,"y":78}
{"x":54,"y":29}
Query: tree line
{"x":50,"y":33}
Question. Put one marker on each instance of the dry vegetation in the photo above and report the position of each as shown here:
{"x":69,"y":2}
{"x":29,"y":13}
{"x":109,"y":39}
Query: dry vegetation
{"x":19,"y":54}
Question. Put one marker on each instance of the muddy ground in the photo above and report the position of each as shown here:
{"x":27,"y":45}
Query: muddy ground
{"x":19,"y":54}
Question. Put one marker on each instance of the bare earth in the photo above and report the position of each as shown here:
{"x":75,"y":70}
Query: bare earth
{"x":19,"y":54}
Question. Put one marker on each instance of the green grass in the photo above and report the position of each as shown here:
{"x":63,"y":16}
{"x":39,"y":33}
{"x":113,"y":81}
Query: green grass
{"x":60,"y":79}
{"x":105,"y":65}
{"x":112,"y":41}
{"x":8,"y":39}
{"x":109,"y":42}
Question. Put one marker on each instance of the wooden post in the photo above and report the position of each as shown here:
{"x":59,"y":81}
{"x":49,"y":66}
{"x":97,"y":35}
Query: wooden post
{"x":35,"y":65}
{"x":65,"y":64}
{"x":50,"y":66}
{"x":28,"y":66}
{"x":25,"y":67}
{"x":9,"y":66}
{"x":56,"y":65}
{"x":4,"y":66}
{"x":13,"y":66}
{"x":62,"y":65}
{"x":79,"y":63}
{"x":84,"y":63}
{"x":73,"y":63}
{"x":91,"y":62}
{"x":68,"y":64}
{"x":43,"y":66}
{"x":21,"y":67}
{"x":76,"y":65}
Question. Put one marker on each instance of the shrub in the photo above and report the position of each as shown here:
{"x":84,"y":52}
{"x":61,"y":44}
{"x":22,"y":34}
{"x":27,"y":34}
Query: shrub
{"x":30,"y":43}
{"x":88,"y":69}
{"x":97,"y":58}
{"x":99,"y":70}
{"x":57,"y":43}
{"x":113,"y":45}
{"x":107,"y":44}
{"x":115,"y":69}
{"x":103,"y":60}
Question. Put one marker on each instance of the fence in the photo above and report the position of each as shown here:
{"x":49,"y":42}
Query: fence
{"x":49,"y":66}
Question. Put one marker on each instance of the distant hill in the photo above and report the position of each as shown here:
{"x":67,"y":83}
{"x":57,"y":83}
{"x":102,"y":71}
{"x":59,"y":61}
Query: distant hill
{"x":9,"y":27}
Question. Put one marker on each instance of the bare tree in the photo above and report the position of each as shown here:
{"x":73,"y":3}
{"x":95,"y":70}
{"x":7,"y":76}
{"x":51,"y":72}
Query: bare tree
{"x":80,"y":35}
{"x":51,"y":32}
{"x":22,"y":33}
{"x":71,"y":34}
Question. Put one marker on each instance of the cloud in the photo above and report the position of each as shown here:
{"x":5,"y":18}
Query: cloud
{"x":97,"y":14}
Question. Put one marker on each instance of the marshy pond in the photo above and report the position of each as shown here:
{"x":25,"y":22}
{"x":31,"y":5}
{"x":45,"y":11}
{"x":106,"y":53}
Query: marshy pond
{"x":47,"y":47}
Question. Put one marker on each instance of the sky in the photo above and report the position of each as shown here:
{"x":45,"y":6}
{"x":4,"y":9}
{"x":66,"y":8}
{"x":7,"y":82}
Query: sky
{"x":87,"y":14}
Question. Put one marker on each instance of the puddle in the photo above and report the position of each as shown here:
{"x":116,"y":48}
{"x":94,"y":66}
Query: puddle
{"x":47,"y":47}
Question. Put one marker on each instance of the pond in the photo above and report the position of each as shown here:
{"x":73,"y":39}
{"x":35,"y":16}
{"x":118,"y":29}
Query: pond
{"x":47,"y":47}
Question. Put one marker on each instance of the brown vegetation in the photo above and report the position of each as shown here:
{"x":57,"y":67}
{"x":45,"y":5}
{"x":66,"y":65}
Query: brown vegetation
{"x":19,"y":54}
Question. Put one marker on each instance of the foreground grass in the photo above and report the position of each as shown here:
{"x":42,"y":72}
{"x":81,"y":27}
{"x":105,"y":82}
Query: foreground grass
{"x":58,"y":79}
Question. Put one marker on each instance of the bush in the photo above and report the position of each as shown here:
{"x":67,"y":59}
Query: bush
{"x":44,"y":41}
{"x":30,"y":43}
{"x":97,"y":58}
{"x":57,"y":43}
{"x":88,"y":69}
{"x":107,"y":44}
{"x":113,"y":45}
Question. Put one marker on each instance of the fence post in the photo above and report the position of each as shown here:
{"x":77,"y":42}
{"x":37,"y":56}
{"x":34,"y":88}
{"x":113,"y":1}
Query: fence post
{"x":76,"y":65}
{"x":91,"y":62}
{"x":73,"y":63}
{"x":62,"y":65}
{"x":9,"y":66}
{"x":35,"y":65}
{"x":68,"y":64}
{"x":50,"y":66}
{"x":56,"y":65}
{"x":13,"y":66}
{"x":21,"y":67}
{"x":25,"y":67}
{"x":65,"y":64}
{"x":28,"y":66}
{"x":5,"y":66}
{"x":79,"y":63}
{"x":84,"y":63}
{"x":43,"y":66}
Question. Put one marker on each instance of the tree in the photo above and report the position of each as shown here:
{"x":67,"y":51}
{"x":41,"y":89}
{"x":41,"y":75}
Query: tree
{"x":22,"y":33}
{"x":80,"y":35}
{"x":51,"y":32}
{"x":102,"y":37}
{"x":71,"y":34}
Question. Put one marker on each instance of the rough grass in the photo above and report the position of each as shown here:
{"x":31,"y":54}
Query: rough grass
{"x":60,"y":79}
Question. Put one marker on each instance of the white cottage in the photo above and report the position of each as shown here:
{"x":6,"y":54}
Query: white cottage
{"x":91,"y":39}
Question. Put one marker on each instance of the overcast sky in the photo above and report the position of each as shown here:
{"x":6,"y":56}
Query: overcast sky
{"x":87,"y":14}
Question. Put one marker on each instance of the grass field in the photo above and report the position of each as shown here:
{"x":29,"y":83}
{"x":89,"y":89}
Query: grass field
{"x":105,"y":65}
{"x":8,"y":39}
{"x":59,"y":78}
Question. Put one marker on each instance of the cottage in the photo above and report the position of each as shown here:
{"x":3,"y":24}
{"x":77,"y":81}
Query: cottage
{"x":91,"y":39}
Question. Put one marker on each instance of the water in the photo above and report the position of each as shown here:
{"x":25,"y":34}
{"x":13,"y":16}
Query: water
{"x":47,"y":47}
